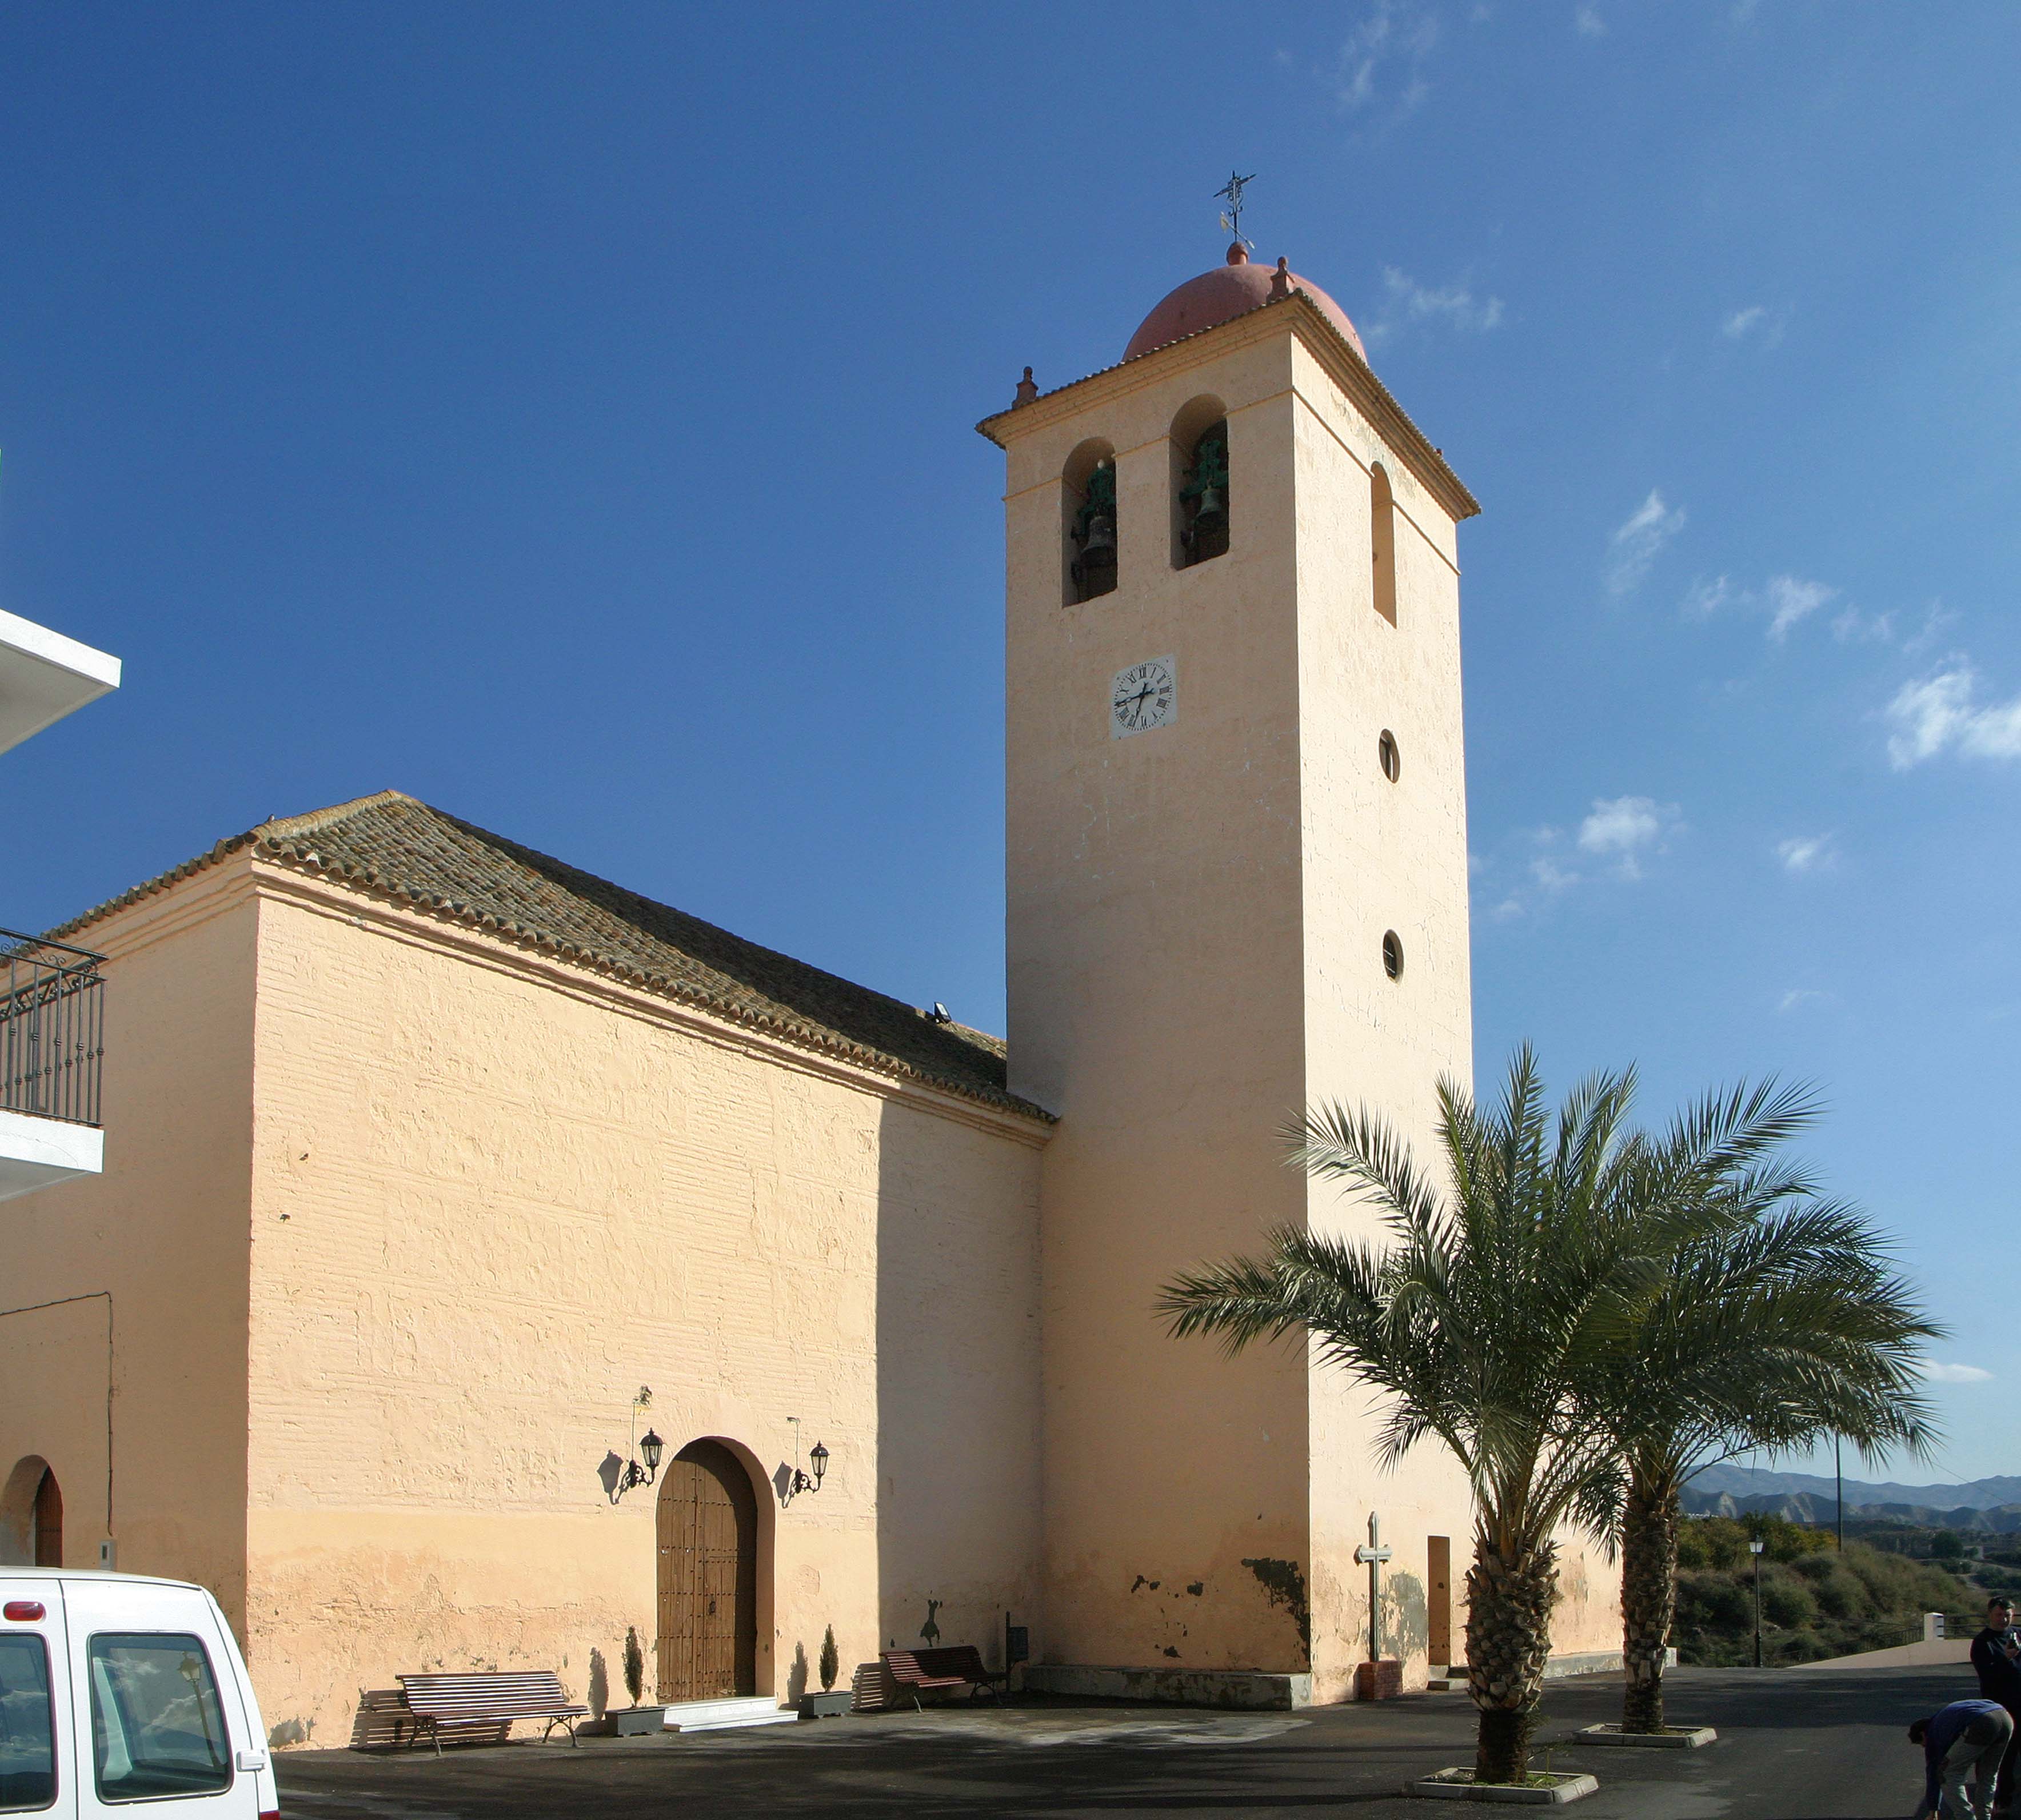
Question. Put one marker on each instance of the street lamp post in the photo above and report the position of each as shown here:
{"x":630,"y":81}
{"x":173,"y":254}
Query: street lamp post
{"x":1838,"y":1490}
{"x":1754,"y":1548}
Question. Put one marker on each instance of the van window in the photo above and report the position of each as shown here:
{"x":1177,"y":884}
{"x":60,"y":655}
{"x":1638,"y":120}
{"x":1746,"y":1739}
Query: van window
{"x":27,"y":1756}
{"x":156,"y":1725}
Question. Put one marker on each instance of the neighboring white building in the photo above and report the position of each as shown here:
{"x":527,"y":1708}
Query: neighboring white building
{"x":50,"y":996}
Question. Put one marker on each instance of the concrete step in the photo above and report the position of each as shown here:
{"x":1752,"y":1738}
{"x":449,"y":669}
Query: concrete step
{"x":728,"y":1715}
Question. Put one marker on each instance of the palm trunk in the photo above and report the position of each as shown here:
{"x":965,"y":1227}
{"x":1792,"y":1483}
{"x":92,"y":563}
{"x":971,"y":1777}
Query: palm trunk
{"x":1648,"y":1595}
{"x":1508,"y":1640}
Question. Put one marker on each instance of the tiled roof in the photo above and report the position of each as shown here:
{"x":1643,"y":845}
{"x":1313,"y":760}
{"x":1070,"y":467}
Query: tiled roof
{"x":395,"y":845}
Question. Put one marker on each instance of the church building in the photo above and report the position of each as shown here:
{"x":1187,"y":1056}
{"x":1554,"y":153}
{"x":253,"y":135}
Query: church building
{"x":488,"y":1260}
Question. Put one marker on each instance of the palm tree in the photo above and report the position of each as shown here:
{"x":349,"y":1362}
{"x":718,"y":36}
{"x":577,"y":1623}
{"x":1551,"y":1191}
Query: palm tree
{"x":1494,"y":1318}
{"x":1784,"y":1325}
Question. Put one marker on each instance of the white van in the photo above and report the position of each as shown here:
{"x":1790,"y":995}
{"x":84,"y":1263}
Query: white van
{"x":118,"y":1692}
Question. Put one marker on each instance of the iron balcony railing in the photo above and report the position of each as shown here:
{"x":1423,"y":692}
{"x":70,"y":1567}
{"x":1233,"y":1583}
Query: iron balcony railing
{"x":51,"y":1028}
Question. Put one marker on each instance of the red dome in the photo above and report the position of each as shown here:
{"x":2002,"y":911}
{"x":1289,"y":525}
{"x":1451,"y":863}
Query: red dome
{"x":1227,"y":291}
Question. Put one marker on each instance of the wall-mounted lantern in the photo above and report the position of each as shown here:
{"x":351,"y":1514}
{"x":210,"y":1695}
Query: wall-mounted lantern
{"x":630,"y":1473}
{"x":801,"y":1481}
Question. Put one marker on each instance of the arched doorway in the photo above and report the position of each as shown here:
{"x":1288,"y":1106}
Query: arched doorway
{"x":708,"y":1524}
{"x":31,"y":1515}
{"x":48,"y":1521}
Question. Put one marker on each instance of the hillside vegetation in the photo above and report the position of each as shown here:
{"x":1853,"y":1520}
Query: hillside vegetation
{"x":1816,"y":1603}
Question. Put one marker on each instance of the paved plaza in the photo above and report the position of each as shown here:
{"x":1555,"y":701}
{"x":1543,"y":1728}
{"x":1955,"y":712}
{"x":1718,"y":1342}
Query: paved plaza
{"x":1819,"y":1745}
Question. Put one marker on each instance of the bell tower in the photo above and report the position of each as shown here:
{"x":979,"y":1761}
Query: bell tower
{"x":1237,"y":883}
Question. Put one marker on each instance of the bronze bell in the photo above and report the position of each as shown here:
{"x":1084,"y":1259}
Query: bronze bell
{"x":1213,"y":512}
{"x":1094,"y":568}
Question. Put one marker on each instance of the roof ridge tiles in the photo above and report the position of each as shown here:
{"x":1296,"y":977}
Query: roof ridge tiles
{"x":429,"y":860}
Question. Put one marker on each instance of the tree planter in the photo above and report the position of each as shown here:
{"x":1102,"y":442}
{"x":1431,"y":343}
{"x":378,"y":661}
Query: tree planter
{"x":635,"y":1721}
{"x":824,"y":1705}
{"x":1541,"y":1791}
{"x":1670,"y":1737}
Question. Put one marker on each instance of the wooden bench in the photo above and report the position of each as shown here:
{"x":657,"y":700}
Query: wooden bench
{"x":929,"y":1670}
{"x":495,"y":1698}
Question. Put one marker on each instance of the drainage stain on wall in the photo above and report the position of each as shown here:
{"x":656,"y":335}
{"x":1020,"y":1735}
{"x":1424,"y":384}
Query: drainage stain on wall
{"x":1285,"y":1585}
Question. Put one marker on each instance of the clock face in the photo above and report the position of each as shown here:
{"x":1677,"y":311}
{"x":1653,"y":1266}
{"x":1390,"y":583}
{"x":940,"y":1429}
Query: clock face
{"x":1143,"y":697}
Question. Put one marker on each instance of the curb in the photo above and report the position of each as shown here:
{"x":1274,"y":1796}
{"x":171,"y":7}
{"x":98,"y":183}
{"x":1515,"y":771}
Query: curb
{"x":1458,"y":1784}
{"x":1670,"y":1737}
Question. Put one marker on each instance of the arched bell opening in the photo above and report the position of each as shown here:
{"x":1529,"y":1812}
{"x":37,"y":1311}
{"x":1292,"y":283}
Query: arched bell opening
{"x":1382,"y":541}
{"x":713,"y":1537}
{"x":31,"y":1515}
{"x":1087,"y":497}
{"x":1200,"y":500}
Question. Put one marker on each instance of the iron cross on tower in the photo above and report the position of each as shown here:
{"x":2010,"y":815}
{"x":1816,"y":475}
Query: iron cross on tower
{"x":1375,"y":1554}
{"x":1231,"y":217}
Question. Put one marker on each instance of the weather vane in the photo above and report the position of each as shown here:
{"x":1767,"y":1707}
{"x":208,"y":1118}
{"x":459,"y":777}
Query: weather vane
{"x":1231,"y":218}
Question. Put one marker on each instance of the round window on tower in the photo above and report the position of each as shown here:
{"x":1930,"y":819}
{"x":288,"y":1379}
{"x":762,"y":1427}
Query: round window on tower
{"x":1393,"y":956}
{"x":1388,"y":757}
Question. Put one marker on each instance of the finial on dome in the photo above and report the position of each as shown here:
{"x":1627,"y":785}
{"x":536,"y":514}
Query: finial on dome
{"x":1027,"y":390}
{"x":1281,"y":280}
{"x":1238,"y":254}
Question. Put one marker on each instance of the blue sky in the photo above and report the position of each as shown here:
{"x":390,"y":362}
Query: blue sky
{"x":566,"y":415}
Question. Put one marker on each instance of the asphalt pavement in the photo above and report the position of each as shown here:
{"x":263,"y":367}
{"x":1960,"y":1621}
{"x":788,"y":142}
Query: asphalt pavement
{"x":1817,"y":1746}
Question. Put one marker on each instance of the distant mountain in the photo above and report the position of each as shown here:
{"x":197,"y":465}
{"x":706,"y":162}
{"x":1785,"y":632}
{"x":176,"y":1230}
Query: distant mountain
{"x":1802,"y":1507}
{"x":1744,"y":1483}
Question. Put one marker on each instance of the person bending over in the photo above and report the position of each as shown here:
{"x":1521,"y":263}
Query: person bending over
{"x":1966,"y":1735}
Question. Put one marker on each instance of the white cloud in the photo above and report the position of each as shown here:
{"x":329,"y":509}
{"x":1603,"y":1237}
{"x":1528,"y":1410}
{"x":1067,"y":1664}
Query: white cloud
{"x":1455,"y":304}
{"x":1551,"y":877}
{"x":1395,"y":37}
{"x":1940,"y":714}
{"x":1798,"y":997}
{"x":1706,"y":598}
{"x":1786,"y":601}
{"x":1625,"y":828}
{"x":1637,"y":543}
{"x":1791,"y":600}
{"x":1756,"y":322}
{"x":1953,"y":1373}
{"x":1854,"y":628}
{"x":1807,"y":853}
{"x":1589,"y":22}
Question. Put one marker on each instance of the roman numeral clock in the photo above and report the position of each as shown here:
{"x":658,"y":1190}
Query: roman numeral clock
{"x":1144,"y":696}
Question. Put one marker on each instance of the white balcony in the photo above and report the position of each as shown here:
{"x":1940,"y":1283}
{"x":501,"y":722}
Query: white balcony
{"x":44,"y":676}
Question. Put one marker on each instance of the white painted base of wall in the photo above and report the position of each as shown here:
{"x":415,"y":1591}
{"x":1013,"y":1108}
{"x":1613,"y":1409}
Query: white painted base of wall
{"x":1250,"y":1690}
{"x":34,"y":1153}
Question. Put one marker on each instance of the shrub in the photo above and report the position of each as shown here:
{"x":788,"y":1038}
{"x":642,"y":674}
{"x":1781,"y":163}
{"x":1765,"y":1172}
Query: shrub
{"x":635,"y":1665}
{"x":1786,"y":1602}
{"x":831,"y":1663}
{"x":1814,"y":1605}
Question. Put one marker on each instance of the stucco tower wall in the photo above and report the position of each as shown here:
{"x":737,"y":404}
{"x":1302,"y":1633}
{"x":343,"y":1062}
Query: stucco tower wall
{"x":1378,"y":857}
{"x":493,"y":1195}
{"x":1156,"y":1004}
{"x":145,"y":1351}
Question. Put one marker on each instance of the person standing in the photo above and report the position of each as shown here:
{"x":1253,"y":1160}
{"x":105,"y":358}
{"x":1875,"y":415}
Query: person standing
{"x":1995,"y":1659}
{"x":1967,"y":1736}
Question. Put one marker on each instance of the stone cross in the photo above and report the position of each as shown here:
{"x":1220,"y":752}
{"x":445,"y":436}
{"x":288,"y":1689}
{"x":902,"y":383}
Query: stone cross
{"x":1375,"y":1554}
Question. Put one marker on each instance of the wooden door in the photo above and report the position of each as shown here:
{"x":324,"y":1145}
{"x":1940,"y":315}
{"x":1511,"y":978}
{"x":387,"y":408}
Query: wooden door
{"x":708,"y":1576}
{"x":48,"y":1522}
{"x":1438,"y":1598}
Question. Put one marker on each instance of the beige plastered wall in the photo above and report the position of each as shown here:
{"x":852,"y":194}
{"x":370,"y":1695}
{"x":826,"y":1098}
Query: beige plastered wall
{"x":1196,"y":918}
{"x":1154,"y":981}
{"x":132,"y":1385}
{"x":492,"y":1196}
